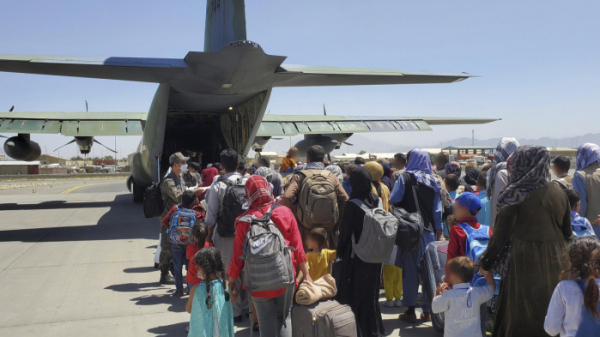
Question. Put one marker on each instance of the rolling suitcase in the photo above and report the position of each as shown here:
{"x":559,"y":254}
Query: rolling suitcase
{"x":432,"y":270}
{"x":323,"y":319}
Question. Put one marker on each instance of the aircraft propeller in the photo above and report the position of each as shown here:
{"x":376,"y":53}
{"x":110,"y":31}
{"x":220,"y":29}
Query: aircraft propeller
{"x":71,"y":142}
{"x":106,"y":147}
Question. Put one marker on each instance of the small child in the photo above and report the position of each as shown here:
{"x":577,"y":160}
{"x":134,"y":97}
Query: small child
{"x":318,"y":259}
{"x":178,"y":251}
{"x":459,"y":301}
{"x":574,"y":307}
{"x":484,"y":214}
{"x":392,"y":281}
{"x":466,"y":207}
{"x":199,"y":233}
{"x":209,"y":302}
{"x":581,"y":225}
{"x":452,"y":183}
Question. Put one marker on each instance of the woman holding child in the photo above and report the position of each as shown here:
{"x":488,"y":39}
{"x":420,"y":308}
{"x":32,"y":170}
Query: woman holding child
{"x":528,"y":248}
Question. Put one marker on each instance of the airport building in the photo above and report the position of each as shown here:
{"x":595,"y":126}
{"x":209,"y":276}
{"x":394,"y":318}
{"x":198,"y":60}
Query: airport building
{"x":47,"y":159}
{"x":17,"y":167}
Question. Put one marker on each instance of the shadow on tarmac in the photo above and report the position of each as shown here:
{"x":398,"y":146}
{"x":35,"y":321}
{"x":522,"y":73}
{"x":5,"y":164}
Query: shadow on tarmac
{"x":177,"y":329}
{"x":55,"y":204}
{"x":124,"y":220}
{"x":137,"y":270}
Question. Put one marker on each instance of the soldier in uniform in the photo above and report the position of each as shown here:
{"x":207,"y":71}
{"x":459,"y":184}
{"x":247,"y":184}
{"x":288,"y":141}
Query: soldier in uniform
{"x":192,"y":175}
{"x":172,"y":188}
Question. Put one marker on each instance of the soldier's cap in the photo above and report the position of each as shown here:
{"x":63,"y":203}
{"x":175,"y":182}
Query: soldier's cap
{"x":177,"y":157}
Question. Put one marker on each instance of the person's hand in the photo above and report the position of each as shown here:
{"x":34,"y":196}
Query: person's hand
{"x":441,"y":288}
{"x":235,"y":293}
{"x":308,"y":279}
{"x":597,"y":221}
{"x":484,"y":272}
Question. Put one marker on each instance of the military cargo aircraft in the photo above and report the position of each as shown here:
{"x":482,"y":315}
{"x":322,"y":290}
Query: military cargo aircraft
{"x":206,"y":101}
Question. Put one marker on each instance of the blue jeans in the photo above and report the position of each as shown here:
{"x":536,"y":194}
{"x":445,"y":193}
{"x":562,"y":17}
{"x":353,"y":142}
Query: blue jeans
{"x":179,"y":259}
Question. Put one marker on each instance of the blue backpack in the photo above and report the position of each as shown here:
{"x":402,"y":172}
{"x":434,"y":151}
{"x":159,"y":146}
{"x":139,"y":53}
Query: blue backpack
{"x":477,"y":240}
{"x":180,"y":229}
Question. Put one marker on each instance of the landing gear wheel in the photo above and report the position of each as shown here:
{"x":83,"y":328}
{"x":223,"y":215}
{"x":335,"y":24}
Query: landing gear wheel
{"x":138,"y":193}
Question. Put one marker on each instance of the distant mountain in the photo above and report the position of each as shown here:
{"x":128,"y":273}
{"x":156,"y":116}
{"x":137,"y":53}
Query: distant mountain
{"x":572,"y":142}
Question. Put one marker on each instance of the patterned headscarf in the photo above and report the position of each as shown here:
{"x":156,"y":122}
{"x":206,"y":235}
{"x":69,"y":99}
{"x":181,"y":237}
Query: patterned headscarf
{"x":337,"y":171}
{"x":258,"y":192}
{"x":505,"y":148}
{"x":264,"y":172}
{"x":587,"y":154}
{"x":454,"y":168}
{"x":419,"y":164}
{"x":528,"y":169}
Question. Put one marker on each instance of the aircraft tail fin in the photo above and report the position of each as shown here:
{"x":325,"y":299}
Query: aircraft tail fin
{"x":225,"y":23}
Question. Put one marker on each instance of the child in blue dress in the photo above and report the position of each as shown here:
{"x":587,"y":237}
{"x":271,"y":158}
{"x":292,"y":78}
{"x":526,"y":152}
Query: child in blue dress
{"x":209,"y":302}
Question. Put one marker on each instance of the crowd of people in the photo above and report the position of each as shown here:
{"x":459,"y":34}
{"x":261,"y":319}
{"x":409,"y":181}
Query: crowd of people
{"x":540,"y":263}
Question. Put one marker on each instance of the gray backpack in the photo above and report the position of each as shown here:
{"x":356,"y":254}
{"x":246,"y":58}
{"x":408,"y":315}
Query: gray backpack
{"x":268,"y":260}
{"x":378,"y":235}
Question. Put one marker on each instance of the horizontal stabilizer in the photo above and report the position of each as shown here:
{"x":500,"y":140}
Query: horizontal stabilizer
{"x":156,"y":70}
{"x":308,"y":76}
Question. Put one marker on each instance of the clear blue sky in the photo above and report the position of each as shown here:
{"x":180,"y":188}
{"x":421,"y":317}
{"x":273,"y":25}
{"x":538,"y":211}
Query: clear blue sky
{"x":538,"y":60}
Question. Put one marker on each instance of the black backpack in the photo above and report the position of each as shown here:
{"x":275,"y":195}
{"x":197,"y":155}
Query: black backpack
{"x":410,"y":227}
{"x":153,"y":202}
{"x":231,"y":207}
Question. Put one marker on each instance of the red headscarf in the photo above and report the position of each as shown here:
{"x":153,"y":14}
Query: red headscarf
{"x":258,"y":192}
{"x":208,"y":175}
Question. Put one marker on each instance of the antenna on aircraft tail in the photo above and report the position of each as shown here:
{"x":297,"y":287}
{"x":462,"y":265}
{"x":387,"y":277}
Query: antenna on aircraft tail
{"x":11,"y":108}
{"x":324,"y":111}
{"x":86,"y":106}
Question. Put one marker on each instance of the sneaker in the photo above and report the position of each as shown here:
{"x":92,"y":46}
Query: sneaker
{"x":389,"y":304}
{"x":255,"y":327}
{"x":166,"y":279}
{"x":398,"y":303}
{"x":178,"y":293}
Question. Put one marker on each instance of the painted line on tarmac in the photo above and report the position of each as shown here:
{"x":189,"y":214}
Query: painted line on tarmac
{"x":80,"y":186}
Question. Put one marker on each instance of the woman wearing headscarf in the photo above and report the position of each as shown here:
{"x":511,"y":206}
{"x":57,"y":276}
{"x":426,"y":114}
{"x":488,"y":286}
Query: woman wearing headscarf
{"x":497,"y":175}
{"x":528,"y":248}
{"x":470,"y":180}
{"x":453,"y":168}
{"x":381,"y":190}
{"x":387,"y":176}
{"x":586,"y":181}
{"x":417,"y":181}
{"x":359,"y":285}
{"x":272,"y":307}
{"x":336,"y":170}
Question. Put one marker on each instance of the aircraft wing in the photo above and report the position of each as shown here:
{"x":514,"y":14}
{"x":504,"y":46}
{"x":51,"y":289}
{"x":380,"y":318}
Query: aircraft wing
{"x":309,"y":76}
{"x":155,"y":70}
{"x":74,"y":123}
{"x":292,"y":125}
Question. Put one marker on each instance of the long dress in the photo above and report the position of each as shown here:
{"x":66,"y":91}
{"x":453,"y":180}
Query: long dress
{"x":359,"y":287}
{"x":539,"y":229}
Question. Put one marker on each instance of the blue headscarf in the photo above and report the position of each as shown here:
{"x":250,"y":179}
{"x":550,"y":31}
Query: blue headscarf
{"x":419,"y":164}
{"x":587,"y":154}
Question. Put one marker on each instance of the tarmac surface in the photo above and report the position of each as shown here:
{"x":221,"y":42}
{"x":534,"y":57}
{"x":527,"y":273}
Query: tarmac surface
{"x":76,"y":259}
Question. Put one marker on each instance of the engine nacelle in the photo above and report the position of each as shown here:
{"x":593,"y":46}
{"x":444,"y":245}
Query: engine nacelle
{"x":22,"y":148}
{"x":326,"y":142}
{"x":84,"y":144}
